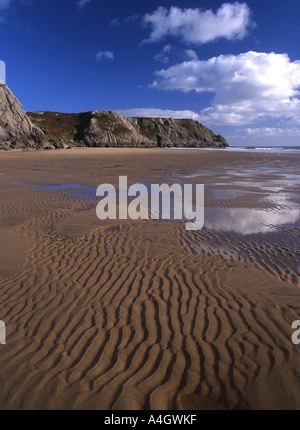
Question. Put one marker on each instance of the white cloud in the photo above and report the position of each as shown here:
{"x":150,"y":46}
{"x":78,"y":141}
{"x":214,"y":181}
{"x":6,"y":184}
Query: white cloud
{"x":4,"y":4}
{"x":82,"y":3}
{"x":246,"y":87}
{"x":230,"y":21}
{"x":129,"y":20}
{"x":169,"y":51}
{"x":272,"y":132}
{"x":191,"y":54}
{"x":159,"y":113}
{"x":263,"y":136}
{"x":163,"y":55}
{"x":107,"y":55}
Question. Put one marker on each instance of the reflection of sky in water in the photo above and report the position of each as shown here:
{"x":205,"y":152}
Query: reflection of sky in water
{"x":275,"y":184}
{"x":279,"y":178}
{"x":270,"y":179}
{"x":276,"y":188}
{"x":225,"y":194}
{"x":78,"y":191}
{"x":197,"y":174}
{"x":282,"y":200}
{"x":111,"y":229}
{"x":87,"y":208}
{"x":239,"y":220}
{"x":248,"y":221}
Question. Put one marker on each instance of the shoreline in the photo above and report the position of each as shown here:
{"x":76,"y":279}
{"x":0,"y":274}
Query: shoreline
{"x":225,"y":149}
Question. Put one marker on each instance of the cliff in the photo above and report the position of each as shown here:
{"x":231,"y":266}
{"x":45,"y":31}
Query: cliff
{"x":49,"y":130}
{"x":110,"y":129}
{"x":16,"y":129}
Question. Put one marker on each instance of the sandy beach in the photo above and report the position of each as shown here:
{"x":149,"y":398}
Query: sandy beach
{"x":143,"y":314}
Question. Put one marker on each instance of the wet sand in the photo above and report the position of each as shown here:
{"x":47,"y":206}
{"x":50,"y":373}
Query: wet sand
{"x":144,"y":314}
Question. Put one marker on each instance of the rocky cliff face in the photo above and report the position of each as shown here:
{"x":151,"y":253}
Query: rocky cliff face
{"x":49,"y":130}
{"x":110,"y":129}
{"x":16,"y":129}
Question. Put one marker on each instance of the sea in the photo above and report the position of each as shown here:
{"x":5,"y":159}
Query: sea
{"x":284,"y":149}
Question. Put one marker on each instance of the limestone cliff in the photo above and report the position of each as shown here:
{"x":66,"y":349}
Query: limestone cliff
{"x":16,"y":129}
{"x":49,"y":130}
{"x":110,"y":129}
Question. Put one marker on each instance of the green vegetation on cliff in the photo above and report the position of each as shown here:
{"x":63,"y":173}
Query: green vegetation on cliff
{"x":109,"y":128}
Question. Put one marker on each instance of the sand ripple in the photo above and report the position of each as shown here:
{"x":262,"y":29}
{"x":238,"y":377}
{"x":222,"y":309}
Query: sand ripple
{"x":142,"y":315}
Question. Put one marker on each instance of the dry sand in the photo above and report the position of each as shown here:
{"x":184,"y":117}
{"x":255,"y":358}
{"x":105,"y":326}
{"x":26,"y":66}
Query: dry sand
{"x":140,"y":314}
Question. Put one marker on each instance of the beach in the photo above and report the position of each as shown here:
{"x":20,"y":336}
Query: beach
{"x":132,"y":315}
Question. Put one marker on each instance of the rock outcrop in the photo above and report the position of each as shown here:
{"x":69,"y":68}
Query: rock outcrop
{"x":49,"y":130}
{"x":16,"y":129}
{"x":110,"y":129}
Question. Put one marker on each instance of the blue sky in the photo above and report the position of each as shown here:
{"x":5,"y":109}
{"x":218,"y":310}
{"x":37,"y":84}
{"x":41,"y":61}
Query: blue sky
{"x":234,"y":66}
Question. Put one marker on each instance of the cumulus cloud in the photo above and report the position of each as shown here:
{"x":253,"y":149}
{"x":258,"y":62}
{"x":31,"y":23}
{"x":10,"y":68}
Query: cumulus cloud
{"x":246,"y":87}
{"x":82,"y":3}
{"x":160,"y":113}
{"x":272,"y":132}
{"x":230,"y":21}
{"x":107,"y":55}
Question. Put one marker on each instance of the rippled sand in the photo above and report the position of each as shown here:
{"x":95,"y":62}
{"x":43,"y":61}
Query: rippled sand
{"x":143,"y":314}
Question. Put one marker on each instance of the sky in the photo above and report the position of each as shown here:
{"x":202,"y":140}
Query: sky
{"x":233,"y":66}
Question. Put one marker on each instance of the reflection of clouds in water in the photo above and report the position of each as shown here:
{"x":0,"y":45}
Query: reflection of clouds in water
{"x":284,"y":181}
{"x":282,"y":200}
{"x":295,"y":179}
{"x":196,"y":174}
{"x":248,"y":221}
{"x":274,"y":189}
{"x":226,"y":194}
{"x":77,"y":191}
